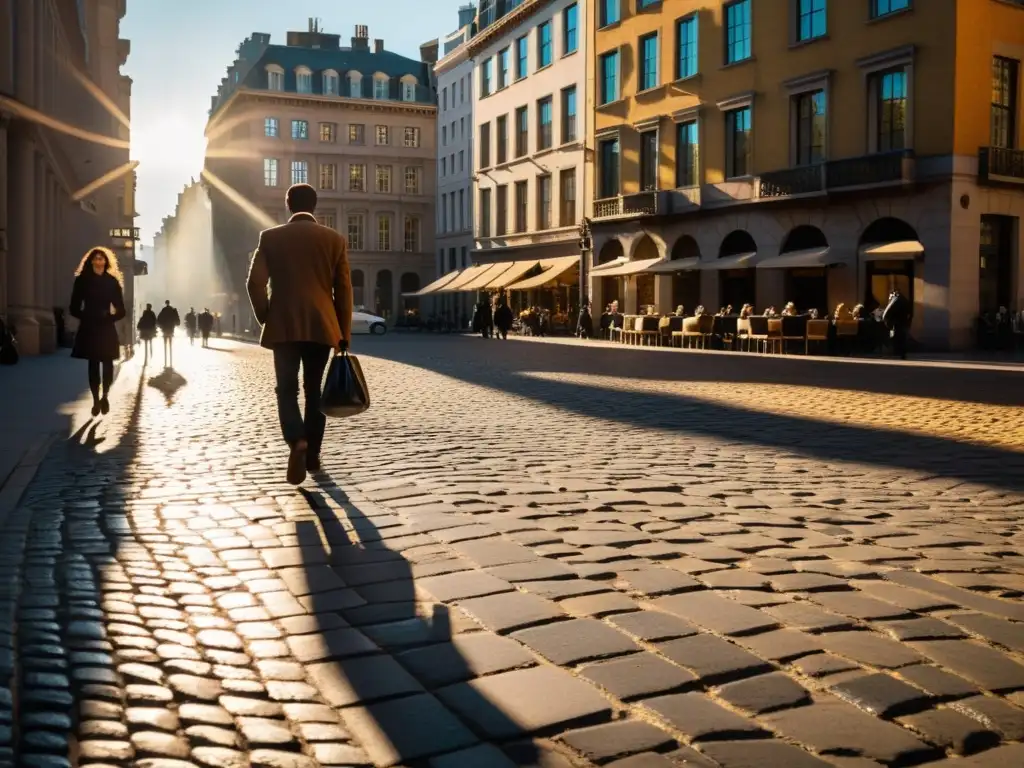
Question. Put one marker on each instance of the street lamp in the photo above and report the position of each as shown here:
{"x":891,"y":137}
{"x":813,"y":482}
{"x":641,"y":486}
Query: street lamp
{"x":586,"y":243}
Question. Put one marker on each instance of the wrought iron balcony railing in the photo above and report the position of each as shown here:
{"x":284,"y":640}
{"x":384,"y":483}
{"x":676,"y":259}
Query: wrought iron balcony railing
{"x":788,"y":182}
{"x":1001,"y":165}
{"x":870,"y":170}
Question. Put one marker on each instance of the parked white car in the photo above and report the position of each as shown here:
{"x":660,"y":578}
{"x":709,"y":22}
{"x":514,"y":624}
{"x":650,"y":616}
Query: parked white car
{"x":364,"y":322}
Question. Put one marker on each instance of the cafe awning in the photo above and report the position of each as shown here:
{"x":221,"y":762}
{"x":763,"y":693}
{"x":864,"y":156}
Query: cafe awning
{"x":435,"y":286}
{"x":600,"y":269}
{"x":809,"y":257}
{"x":900,"y":250}
{"x":515,"y":272}
{"x":492,"y":272}
{"x":468,"y":275}
{"x":552,"y":269}
{"x":630,"y":268}
{"x":736,"y":261}
{"x":670,"y":266}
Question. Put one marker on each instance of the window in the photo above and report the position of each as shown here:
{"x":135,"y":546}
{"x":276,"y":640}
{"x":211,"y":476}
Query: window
{"x":444,"y":167}
{"x":569,"y":114}
{"x":522,"y":131}
{"x":462,"y":209}
{"x":543,"y":44}
{"x":522,"y":57}
{"x":269,"y":172}
{"x":381,"y":87}
{"x":444,"y":212}
{"x":567,"y":197}
{"x":411,"y":238}
{"x":408,"y":89}
{"x":609,"y":77}
{"x":462,"y":160}
{"x":501,"y":225}
{"x":270,"y":127}
{"x":737,"y":142}
{"x":810,"y":21}
{"x":383,"y":185}
{"x":303,"y":80}
{"x":412,"y":180}
{"x":609,"y":168}
{"x":641,"y":4}
{"x":451,"y":209}
{"x":328,"y":176}
{"x":328,"y":132}
{"x":885,"y":7}
{"x":610,"y":12}
{"x":485,"y":78}
{"x":737,"y":31}
{"x":501,"y":138}
{"x":275,"y":79}
{"x":648,"y":61}
{"x":544,"y":202}
{"x":686,"y":43}
{"x":326,"y":220}
{"x":411,"y":137}
{"x":485,"y":145}
{"x":383,"y":136}
{"x":330,"y":83}
{"x":357,"y":177}
{"x":300,"y":129}
{"x":686,"y":154}
{"x":444,"y":135}
{"x":300,"y":172}
{"x":357,"y":134}
{"x":383,"y":232}
{"x":355,"y":231}
{"x":485,"y":213}
{"x":891,"y":105}
{"x":1005,"y":76}
{"x":810,"y":128}
{"x":502,"y":68}
{"x":462,"y":89}
{"x":544,"y":117}
{"x":355,"y":85}
{"x":648,"y":161}
{"x":522,"y":206}
{"x":444,"y":97}
{"x":570,"y":29}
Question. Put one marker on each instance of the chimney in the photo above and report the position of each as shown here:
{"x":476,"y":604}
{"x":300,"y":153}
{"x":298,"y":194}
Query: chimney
{"x":467,"y":14}
{"x":361,"y":40}
{"x":428,"y":52}
{"x":378,"y":46}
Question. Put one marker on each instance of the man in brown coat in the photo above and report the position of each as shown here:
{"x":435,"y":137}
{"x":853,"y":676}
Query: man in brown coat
{"x":306,"y":314}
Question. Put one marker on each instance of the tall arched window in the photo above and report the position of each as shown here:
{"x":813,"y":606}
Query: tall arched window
{"x":330,"y":82}
{"x":381,"y":86}
{"x":355,"y":84}
{"x":275,"y":77}
{"x":303,"y":80}
{"x":409,"y":84}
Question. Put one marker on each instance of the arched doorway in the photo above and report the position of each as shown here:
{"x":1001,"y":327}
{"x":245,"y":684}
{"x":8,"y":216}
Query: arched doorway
{"x":889,"y":248}
{"x":685,"y":285}
{"x":806,"y":287}
{"x":737,"y":285}
{"x":609,"y":252}
{"x":358,"y":288}
{"x":384,"y":298}
{"x":409,"y":283}
{"x":645,"y":250}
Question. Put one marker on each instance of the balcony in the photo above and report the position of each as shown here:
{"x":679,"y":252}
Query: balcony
{"x":627,"y":206}
{"x":1000,"y":166}
{"x":867,"y":171}
{"x":792,"y":182}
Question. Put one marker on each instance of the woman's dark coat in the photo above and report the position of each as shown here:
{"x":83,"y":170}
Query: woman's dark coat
{"x":147,"y":325}
{"x":98,"y":302}
{"x":503,"y":318}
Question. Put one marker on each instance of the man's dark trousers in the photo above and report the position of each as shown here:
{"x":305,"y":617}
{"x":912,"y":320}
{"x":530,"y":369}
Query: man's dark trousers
{"x":313,"y":358}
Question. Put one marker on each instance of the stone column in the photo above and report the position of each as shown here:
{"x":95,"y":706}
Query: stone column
{"x":4,"y":231}
{"x":43,"y":256}
{"x":22,"y":245}
{"x":663,"y":293}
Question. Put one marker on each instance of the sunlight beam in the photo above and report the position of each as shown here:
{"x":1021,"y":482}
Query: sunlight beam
{"x":37,"y":117}
{"x":95,"y":91}
{"x":102,"y":181}
{"x":248,"y":208}
{"x":233,"y":154}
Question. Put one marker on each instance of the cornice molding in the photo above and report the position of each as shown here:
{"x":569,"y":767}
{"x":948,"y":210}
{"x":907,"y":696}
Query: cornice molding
{"x":505,"y":24}
{"x":248,"y":95}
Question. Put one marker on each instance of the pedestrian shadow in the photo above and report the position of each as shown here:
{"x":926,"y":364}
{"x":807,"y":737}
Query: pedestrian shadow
{"x":168,"y":382}
{"x":369,"y":617}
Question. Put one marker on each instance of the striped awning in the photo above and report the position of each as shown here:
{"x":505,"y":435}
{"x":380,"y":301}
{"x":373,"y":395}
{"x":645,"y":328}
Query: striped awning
{"x":493,"y":272}
{"x":552,"y":269}
{"x":904,"y":250}
{"x":515,"y":272}
{"x":435,"y":286}
{"x":629,"y":268}
{"x":468,"y":275}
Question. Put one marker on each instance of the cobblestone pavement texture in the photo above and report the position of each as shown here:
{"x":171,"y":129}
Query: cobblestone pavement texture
{"x":526,"y":554}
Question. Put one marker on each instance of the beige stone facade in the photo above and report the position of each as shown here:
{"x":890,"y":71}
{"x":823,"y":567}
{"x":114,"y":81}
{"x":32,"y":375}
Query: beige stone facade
{"x":56,"y":139}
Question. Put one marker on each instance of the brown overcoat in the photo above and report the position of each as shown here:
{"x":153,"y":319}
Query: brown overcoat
{"x":299,"y":284}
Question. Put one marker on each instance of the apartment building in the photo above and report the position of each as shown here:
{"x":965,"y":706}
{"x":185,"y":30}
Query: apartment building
{"x":358,"y":123}
{"x":454,"y":76}
{"x":530,"y":122}
{"x":814,"y":151}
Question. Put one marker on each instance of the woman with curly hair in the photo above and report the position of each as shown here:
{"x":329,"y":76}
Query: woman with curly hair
{"x":97,"y":300}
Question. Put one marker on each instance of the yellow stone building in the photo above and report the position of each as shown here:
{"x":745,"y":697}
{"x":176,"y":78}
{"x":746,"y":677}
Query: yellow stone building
{"x":814,"y":151}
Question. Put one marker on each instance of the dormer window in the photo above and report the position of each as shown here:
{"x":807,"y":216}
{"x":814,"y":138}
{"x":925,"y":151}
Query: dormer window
{"x":275,"y":78}
{"x":330,"y":82}
{"x":381,"y":86}
{"x":409,"y":88}
{"x":304,"y":80}
{"x":355,"y":85}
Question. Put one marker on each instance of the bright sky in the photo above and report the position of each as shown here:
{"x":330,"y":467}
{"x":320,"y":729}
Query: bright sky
{"x":182,"y":48}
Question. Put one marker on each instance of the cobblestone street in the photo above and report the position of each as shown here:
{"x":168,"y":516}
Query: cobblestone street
{"x":526,"y":554}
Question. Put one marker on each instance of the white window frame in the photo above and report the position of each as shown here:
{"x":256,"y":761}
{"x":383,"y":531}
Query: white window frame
{"x":384,"y":233}
{"x":382,"y":131}
{"x":381,"y":85}
{"x":408,"y":87}
{"x":360,"y":175}
{"x":411,"y":136}
{"x":413,"y":177}
{"x":271,"y":168}
{"x":303,"y":80}
{"x":300,"y":172}
{"x":271,"y":127}
{"x":275,"y":77}
{"x":328,"y":176}
{"x":382,"y":179}
{"x":302,"y":135}
{"x":355,"y":84}
{"x":331,"y":83}
{"x":357,"y":243}
{"x":415,"y":221}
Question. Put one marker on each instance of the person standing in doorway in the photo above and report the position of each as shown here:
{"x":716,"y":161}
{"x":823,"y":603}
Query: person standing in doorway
{"x":168,"y":320}
{"x":311,"y":315}
{"x":896,"y":317}
{"x":97,"y":301}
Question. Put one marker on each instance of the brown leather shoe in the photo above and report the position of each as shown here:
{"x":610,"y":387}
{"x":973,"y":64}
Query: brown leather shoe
{"x":297,"y":462}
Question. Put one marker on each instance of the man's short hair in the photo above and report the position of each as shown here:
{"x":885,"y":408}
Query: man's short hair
{"x":301,"y":198}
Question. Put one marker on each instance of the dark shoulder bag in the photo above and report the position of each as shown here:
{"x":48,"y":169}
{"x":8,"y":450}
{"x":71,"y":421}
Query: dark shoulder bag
{"x":345,"y":392}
